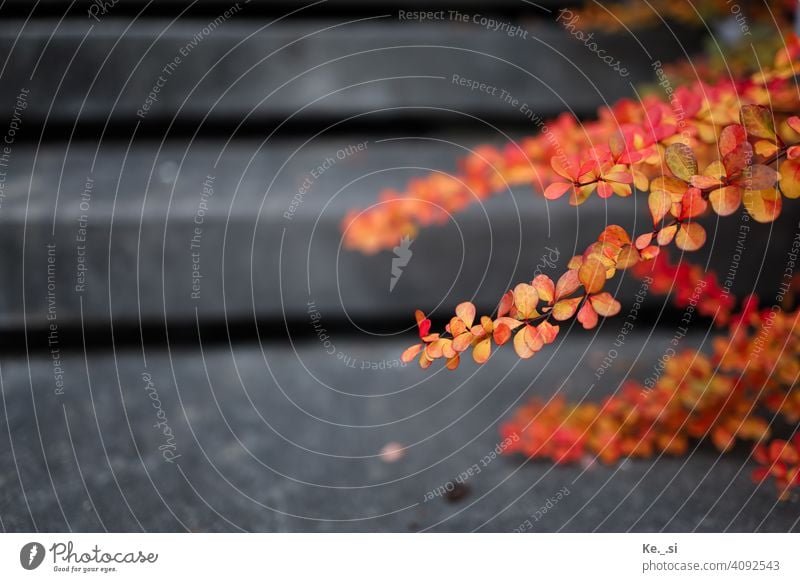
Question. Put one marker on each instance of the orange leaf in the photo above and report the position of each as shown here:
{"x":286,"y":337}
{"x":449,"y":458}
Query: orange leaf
{"x":670,"y":185}
{"x":448,"y":351}
{"x":466,"y":311}
{"x":463,"y":341}
{"x":505,"y":304}
{"x":502,"y":333}
{"x":482,"y":351}
{"x":532,"y":338}
{"x":457,"y":326}
{"x":587,"y":316}
{"x":510,"y":322}
{"x":790,"y":178}
{"x":765,"y":148}
{"x":738,"y":159}
{"x":650,"y":252}
{"x":763,"y":205}
{"x":548,"y":332}
{"x":627,"y":257}
{"x":410,"y":353}
{"x":665,"y":235}
{"x":556,"y":190}
{"x":726,"y":200}
{"x":659,"y":202}
{"x":521,"y":346}
{"x":424,"y":361}
{"x":563,"y":167}
{"x":592,"y":275}
{"x":545,"y":288}
{"x":525,"y":299}
{"x":730,"y":137}
{"x":453,"y":362}
{"x":704,"y":182}
{"x":567,"y":284}
{"x":691,"y":236}
{"x":643,"y":240}
{"x":604,"y":304}
{"x":565,"y":308}
{"x":614,"y":234}
{"x":692,"y":204}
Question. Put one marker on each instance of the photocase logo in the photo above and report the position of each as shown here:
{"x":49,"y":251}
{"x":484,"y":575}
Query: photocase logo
{"x":31,"y":555}
{"x":402,"y":255}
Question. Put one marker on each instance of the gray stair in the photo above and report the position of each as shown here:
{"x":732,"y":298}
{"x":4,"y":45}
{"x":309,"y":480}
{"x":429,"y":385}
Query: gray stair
{"x":80,"y":70}
{"x":264,"y":446}
{"x":139,"y":262}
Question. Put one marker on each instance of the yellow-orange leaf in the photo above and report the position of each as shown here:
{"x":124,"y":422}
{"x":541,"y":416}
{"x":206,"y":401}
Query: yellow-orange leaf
{"x":790,"y":178}
{"x":670,"y":185}
{"x":457,"y":326}
{"x":545,"y":288}
{"x":565,"y":308}
{"x":644,"y":240}
{"x":410,"y":353}
{"x":763,"y":205}
{"x":521,"y":346}
{"x":525,"y":299}
{"x":532,"y":338}
{"x":508,"y":321}
{"x":548,"y":332}
{"x":691,"y":236}
{"x":604,"y":304}
{"x":463,"y":341}
{"x":482,"y":350}
{"x":659,"y":202}
{"x":614,"y":234}
{"x":466,"y":311}
{"x":592,"y":275}
{"x":725,"y":201}
{"x":665,"y":235}
{"x":681,"y":161}
{"x":627,"y":257}
{"x":758,"y":121}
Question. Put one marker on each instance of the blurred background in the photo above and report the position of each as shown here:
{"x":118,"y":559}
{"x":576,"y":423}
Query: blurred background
{"x":186,"y":345}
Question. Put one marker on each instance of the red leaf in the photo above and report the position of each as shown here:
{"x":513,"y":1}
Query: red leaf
{"x":587,"y":316}
{"x":556,"y":190}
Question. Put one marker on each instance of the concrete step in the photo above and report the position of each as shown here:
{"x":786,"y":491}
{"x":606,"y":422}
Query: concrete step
{"x":141,"y":209}
{"x":287,"y":437}
{"x":154,"y":72}
{"x":121,"y":234}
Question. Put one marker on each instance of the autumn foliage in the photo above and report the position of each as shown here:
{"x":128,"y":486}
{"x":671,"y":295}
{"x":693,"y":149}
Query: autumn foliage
{"x":710,"y":149}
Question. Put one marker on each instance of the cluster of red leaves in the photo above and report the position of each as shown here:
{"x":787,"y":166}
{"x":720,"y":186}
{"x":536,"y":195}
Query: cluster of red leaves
{"x":779,"y":459}
{"x":527,"y":312}
{"x":627,"y":146}
{"x":737,"y":169}
{"x":688,"y":283}
{"x":720,"y":397}
{"x":710,"y":148}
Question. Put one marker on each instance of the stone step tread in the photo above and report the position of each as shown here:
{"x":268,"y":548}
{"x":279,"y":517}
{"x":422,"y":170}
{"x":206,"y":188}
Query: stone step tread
{"x":81,"y":71}
{"x":139,"y":219}
{"x":285,"y":438}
